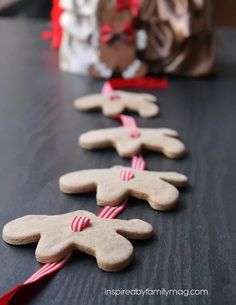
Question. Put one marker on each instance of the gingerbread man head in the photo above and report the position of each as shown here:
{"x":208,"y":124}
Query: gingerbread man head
{"x":117,"y":41}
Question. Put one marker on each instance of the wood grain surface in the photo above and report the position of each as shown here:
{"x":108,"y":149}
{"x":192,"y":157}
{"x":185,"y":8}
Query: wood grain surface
{"x":194,"y":245}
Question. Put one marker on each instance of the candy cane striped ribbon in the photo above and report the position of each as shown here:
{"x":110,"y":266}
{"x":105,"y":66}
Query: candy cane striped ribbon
{"x":45,"y":271}
{"x":111,"y":212}
{"x":138,"y":163}
{"x":79,"y":223}
{"x":126,"y":175}
{"x":108,"y":92}
{"x":128,"y":121}
{"x":108,"y":212}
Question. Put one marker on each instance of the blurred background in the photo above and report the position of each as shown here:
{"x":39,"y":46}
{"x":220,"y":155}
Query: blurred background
{"x":224,"y":11}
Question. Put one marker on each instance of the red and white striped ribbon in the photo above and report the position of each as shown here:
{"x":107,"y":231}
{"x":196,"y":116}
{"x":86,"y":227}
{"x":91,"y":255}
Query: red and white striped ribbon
{"x":138,"y":163}
{"x":130,"y":122}
{"x":45,"y":271}
{"x":126,"y":175}
{"x":108,"y":212}
{"x":111,"y":212}
{"x":79,"y":223}
{"x":127,"y":121}
{"x":108,"y":92}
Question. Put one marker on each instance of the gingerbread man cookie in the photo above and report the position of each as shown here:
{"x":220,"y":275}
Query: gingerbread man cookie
{"x":115,"y":184}
{"x":118,"y":42}
{"x":142,"y":103}
{"x":129,"y":141}
{"x":58,"y":236}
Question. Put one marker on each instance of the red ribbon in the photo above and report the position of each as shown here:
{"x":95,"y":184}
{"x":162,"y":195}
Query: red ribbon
{"x":107,"y":212}
{"x":108,"y":91}
{"x":141,"y":82}
{"x":79,"y":223}
{"x":45,"y":271}
{"x":55,"y":35}
{"x":132,"y":4}
{"x":126,"y":120}
{"x":126,"y":31}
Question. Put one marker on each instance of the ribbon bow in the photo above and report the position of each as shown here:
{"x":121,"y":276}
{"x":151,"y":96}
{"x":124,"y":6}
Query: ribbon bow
{"x":108,"y":33}
{"x":132,"y":4}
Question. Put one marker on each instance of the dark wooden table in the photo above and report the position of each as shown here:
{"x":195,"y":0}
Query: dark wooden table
{"x":194,"y":246}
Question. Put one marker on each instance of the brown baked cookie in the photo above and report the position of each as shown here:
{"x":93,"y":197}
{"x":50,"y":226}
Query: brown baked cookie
{"x":142,"y":103}
{"x":57,"y":237}
{"x":158,"y":188}
{"x":118,"y":43}
{"x":128,"y":141}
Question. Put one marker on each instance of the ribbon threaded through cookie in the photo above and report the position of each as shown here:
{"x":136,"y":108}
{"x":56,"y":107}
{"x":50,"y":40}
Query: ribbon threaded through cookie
{"x":128,"y":121}
{"x":79,"y":223}
{"x":47,"y":269}
{"x":110,"y":212}
{"x":108,"y":92}
{"x":134,"y":133}
{"x":126,"y":175}
{"x":138,"y":163}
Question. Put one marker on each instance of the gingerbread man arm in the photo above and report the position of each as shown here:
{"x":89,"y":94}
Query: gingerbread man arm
{"x":31,"y":228}
{"x":24,"y":230}
{"x":176,"y":179}
{"x":89,"y":102}
{"x":159,"y":139}
{"x":133,"y":229}
{"x":80,"y":181}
